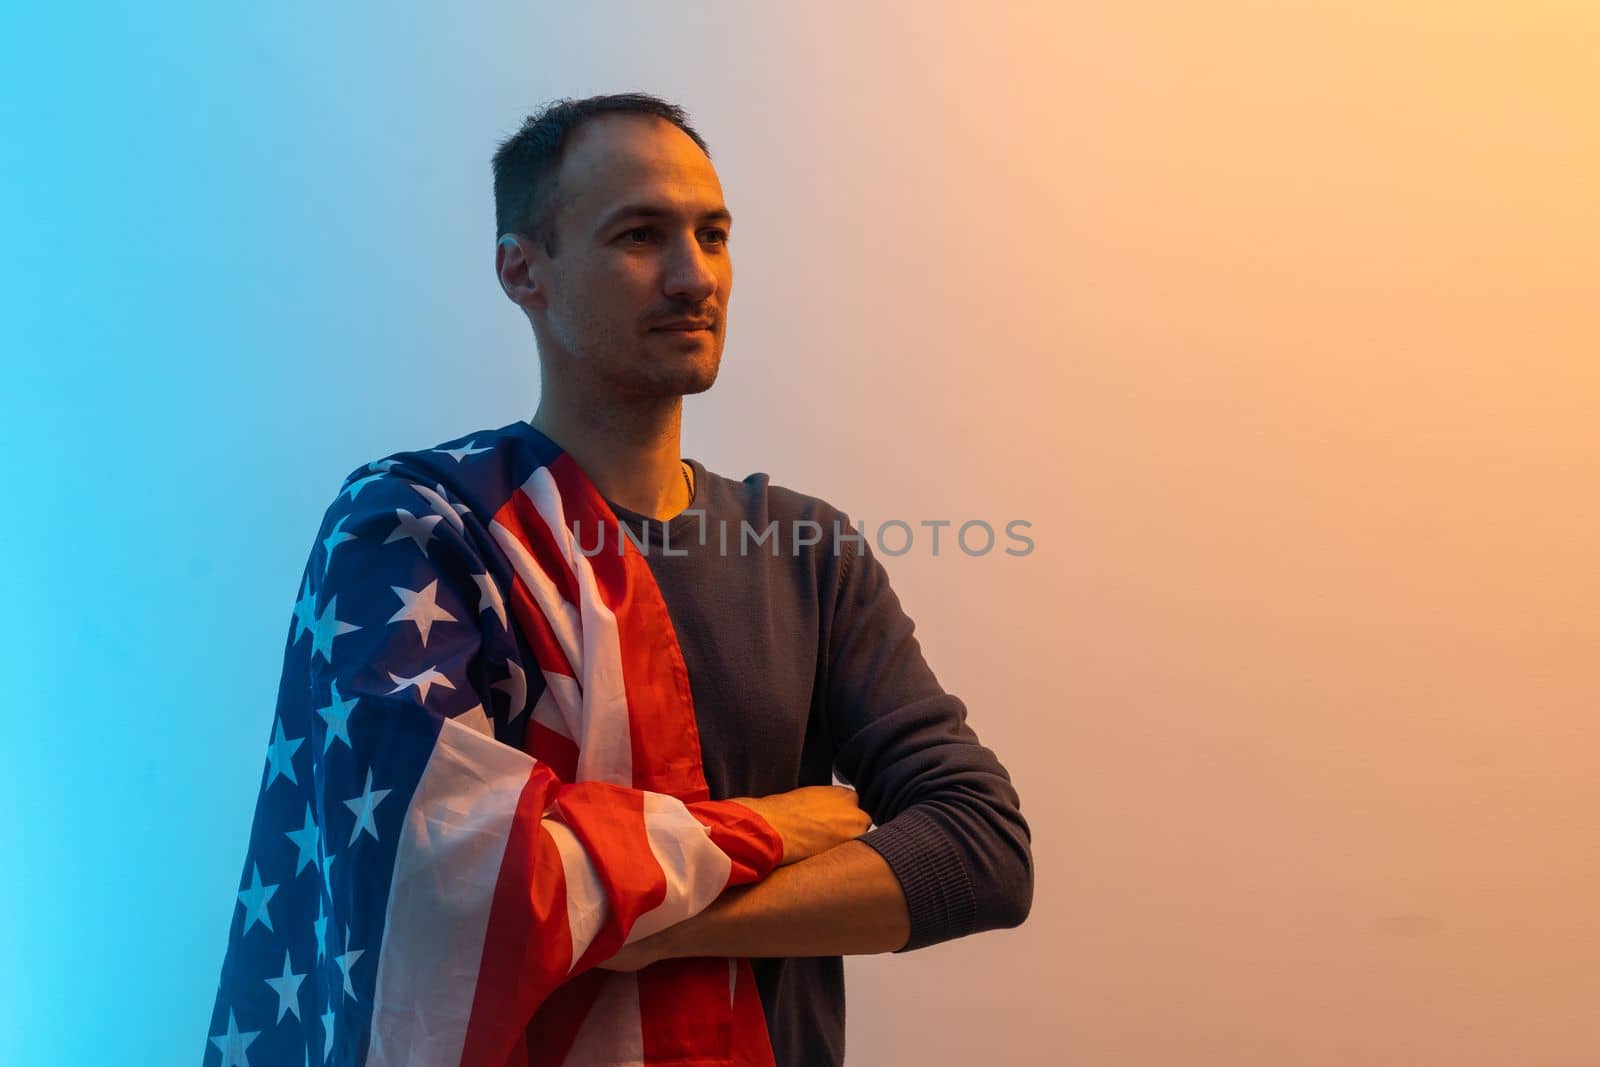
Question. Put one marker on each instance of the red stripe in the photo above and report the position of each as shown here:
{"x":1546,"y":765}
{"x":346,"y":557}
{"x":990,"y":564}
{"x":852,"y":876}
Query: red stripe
{"x":752,"y":1043}
{"x":555,"y":1025}
{"x":535,"y":626}
{"x":556,"y":750}
{"x":536,"y":534}
{"x":664,"y":737}
{"x":684,"y":1004}
{"x":608,"y":820}
{"x":547,"y":651}
{"x":751,"y":842}
{"x":685,"y":1011}
{"x":528,"y":945}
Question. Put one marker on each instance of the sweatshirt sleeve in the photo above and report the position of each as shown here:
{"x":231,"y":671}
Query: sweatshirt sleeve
{"x":947,"y":817}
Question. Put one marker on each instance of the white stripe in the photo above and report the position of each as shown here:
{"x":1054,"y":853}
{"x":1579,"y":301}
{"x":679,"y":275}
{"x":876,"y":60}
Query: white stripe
{"x":696,"y":869}
{"x":587,"y":907}
{"x":453,"y":839}
{"x":605,"y":745}
{"x":451,"y":846}
{"x":547,"y":710}
{"x":476,"y":720}
{"x":563,"y":617}
{"x":569,"y":702}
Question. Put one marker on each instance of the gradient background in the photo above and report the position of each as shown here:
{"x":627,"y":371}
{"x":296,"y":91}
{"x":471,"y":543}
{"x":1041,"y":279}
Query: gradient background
{"x":1278,"y":322}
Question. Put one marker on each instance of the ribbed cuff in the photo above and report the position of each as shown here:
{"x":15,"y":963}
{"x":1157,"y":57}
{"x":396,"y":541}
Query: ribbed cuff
{"x":938,"y":889}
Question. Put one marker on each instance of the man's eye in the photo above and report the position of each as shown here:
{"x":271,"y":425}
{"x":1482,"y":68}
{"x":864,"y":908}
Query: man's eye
{"x":717,"y":236}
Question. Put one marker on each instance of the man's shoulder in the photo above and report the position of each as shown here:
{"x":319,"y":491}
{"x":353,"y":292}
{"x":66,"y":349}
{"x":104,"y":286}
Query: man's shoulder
{"x":473,"y":471}
{"x":760,"y":495}
{"x":796,"y":516}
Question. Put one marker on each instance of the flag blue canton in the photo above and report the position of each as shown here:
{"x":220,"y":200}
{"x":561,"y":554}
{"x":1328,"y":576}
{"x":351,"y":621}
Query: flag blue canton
{"x":400,"y":619}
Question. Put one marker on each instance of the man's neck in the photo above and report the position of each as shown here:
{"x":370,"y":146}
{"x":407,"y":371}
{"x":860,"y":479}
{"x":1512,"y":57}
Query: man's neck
{"x":629,"y":452}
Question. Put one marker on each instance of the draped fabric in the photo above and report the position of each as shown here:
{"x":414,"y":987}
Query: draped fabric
{"x":483,"y":779}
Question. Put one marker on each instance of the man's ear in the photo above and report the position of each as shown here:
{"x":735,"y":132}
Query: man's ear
{"x":518,"y":279}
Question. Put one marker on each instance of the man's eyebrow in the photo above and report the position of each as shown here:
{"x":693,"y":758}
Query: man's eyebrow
{"x":655,"y":211}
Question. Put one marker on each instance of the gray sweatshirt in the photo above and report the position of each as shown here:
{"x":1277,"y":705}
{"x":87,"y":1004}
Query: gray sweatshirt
{"x":803,"y":665}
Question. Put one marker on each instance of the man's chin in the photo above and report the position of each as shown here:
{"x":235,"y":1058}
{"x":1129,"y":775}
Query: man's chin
{"x":663,"y":386}
{"x":687,"y":377}
{"x":696,"y":384}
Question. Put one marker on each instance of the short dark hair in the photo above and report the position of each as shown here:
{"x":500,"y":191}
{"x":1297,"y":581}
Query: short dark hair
{"x":526,"y":163}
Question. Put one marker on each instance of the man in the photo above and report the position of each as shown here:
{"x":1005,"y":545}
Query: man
{"x":614,"y":241}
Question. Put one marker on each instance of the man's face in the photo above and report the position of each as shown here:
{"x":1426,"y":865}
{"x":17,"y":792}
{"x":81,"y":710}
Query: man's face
{"x":641,"y":239}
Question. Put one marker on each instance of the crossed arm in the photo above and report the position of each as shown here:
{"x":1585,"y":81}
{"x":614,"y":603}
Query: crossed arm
{"x":844,"y":901}
{"x":906,"y":741}
{"x":944,"y":805}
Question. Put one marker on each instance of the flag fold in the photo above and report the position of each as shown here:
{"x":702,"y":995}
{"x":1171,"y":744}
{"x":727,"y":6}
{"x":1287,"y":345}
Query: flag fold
{"x":483,"y":779}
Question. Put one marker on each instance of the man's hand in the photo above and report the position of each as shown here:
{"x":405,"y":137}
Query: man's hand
{"x":811,"y":819}
{"x":846,"y":902}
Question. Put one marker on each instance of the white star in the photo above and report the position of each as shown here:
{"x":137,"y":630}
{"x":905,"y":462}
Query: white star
{"x":515,"y":687}
{"x":320,"y":928}
{"x":436,"y":499}
{"x":327,"y":1033}
{"x":305,"y":610}
{"x":333,"y":541}
{"x":459,"y":507}
{"x":363,"y":806}
{"x":280,"y":755}
{"x":327,"y":866}
{"x":422,"y":681}
{"x":489,"y":597}
{"x":458,"y":454}
{"x":347,"y":960}
{"x":355,"y":487}
{"x":418,"y":528}
{"x":255,"y":900}
{"x":337,"y":716}
{"x":326,"y":628}
{"x":305,"y":839}
{"x":287,"y":986}
{"x":233,"y":1043}
{"x":381,"y":464}
{"x":421,"y":607}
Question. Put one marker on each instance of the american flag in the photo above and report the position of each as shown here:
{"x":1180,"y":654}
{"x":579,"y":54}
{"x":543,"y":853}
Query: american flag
{"x":483,"y":778}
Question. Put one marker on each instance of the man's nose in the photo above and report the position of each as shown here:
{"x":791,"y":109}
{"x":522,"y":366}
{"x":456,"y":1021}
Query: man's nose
{"x":689,"y":273}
